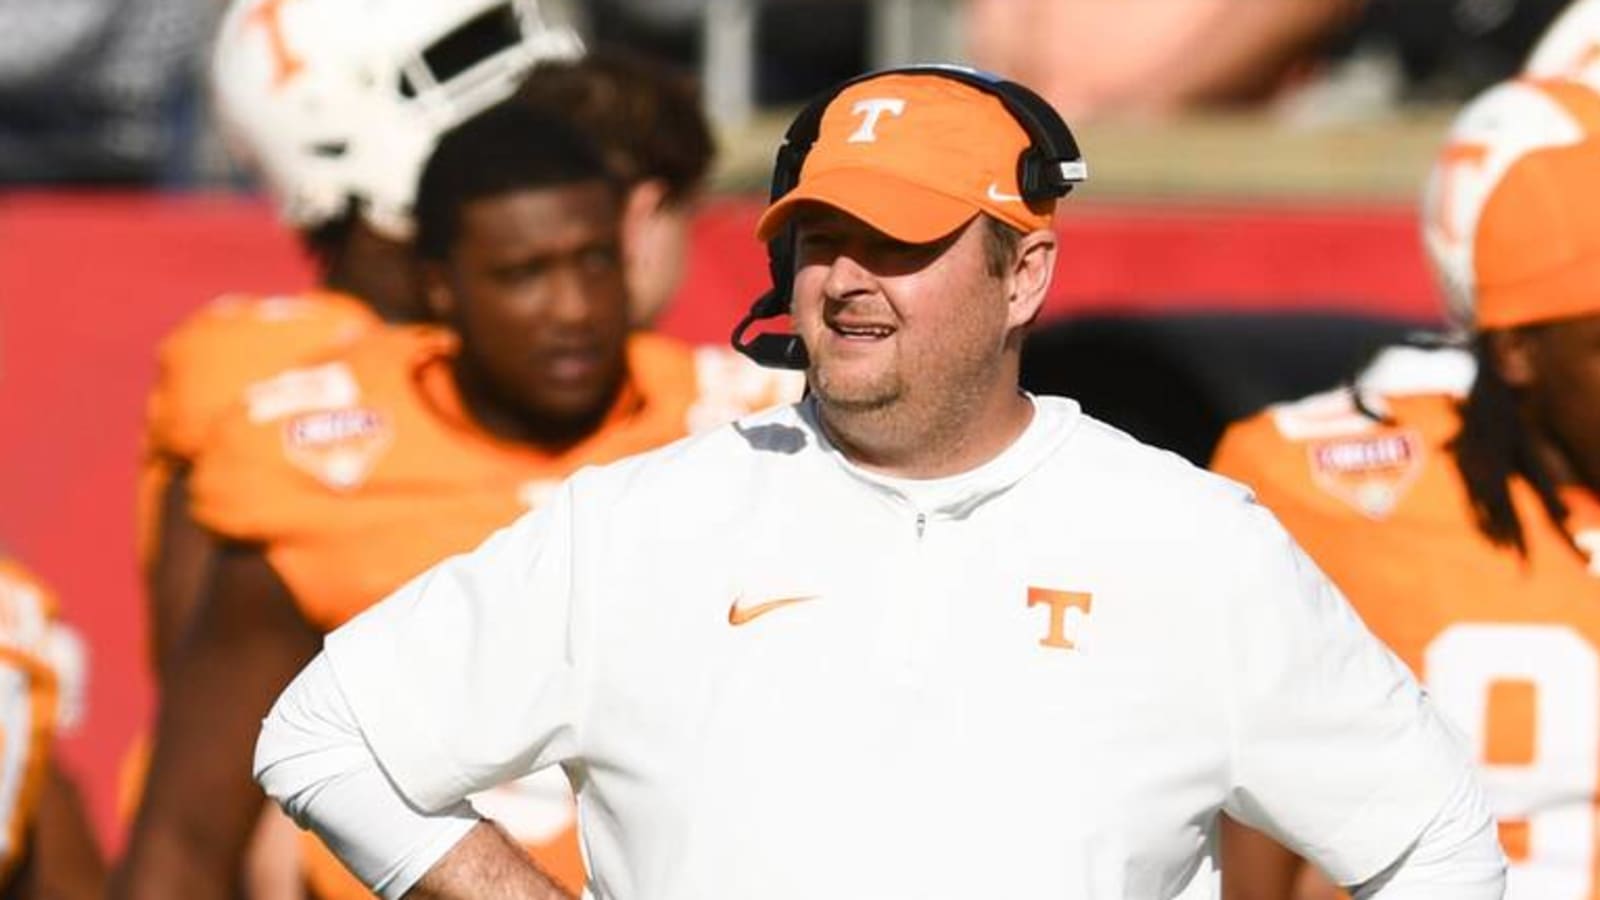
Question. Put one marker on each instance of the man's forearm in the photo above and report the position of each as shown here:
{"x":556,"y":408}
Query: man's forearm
{"x":312,"y":759}
{"x":485,"y":865}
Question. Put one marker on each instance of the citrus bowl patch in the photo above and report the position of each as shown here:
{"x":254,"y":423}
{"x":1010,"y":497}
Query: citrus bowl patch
{"x":338,"y":447}
{"x":1369,"y":472}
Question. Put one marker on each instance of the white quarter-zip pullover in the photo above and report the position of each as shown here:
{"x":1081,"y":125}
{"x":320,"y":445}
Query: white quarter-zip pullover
{"x":771,"y":674}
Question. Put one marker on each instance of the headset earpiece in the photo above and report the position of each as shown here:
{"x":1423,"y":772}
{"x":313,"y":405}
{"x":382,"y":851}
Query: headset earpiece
{"x":1033,"y":181}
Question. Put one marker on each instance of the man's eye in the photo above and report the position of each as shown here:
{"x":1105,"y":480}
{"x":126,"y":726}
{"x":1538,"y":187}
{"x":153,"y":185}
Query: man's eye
{"x":901,"y":249}
{"x":523,"y":271}
{"x":600,"y":258}
{"x":814,"y":241}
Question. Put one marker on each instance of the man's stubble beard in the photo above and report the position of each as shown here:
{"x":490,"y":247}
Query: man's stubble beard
{"x":890,"y":411}
{"x":875,"y":396}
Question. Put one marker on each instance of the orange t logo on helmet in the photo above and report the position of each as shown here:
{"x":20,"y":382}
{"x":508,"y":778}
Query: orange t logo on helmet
{"x":285,"y":64}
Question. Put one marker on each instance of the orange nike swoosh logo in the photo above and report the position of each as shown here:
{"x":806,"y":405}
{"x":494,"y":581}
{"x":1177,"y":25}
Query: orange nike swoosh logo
{"x":739,"y":614}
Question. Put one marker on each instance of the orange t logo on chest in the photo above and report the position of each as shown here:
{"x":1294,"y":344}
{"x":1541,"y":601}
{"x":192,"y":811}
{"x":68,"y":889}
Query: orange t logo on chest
{"x":1059,"y":602}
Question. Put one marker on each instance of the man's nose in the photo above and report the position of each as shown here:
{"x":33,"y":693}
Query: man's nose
{"x":571,"y":301}
{"x":846,"y":276}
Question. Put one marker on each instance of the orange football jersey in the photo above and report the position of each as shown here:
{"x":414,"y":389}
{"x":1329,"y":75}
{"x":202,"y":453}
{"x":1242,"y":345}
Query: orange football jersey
{"x":1508,"y":645}
{"x":202,"y":369}
{"x":40,"y":691}
{"x":205,"y":363}
{"x":358,"y":473}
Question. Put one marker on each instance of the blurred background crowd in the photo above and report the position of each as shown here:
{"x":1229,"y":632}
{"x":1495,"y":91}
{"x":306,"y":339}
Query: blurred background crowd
{"x":1249,"y":234}
{"x":111,"y":91}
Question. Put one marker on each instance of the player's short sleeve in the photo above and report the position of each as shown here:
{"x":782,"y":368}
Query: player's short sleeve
{"x":470,"y":675}
{"x":1337,"y":752}
{"x":201,"y":369}
{"x":247,"y":486}
{"x":182,"y":403}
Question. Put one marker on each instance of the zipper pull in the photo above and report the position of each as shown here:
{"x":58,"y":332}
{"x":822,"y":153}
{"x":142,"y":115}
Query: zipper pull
{"x":922,"y":522}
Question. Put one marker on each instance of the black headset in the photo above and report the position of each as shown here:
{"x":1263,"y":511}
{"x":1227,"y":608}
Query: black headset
{"x":1046,"y":171}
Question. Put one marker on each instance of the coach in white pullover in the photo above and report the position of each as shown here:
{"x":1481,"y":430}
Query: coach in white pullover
{"x":921,"y":636}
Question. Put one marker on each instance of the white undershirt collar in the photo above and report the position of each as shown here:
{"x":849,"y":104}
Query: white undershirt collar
{"x":955,"y":496}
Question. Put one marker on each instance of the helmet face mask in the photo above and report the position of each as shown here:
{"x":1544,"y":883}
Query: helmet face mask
{"x":340,"y":101}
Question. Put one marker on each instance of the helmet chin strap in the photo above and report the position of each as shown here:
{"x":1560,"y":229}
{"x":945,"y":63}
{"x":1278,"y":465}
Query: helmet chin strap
{"x":772,"y":350}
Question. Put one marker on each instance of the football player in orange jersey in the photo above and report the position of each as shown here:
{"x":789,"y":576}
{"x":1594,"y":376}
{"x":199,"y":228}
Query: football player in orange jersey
{"x":334,"y":483}
{"x":336,"y":116}
{"x":47,"y":847}
{"x":1456,"y":498}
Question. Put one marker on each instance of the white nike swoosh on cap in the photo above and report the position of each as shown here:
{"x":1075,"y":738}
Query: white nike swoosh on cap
{"x":998,"y":197}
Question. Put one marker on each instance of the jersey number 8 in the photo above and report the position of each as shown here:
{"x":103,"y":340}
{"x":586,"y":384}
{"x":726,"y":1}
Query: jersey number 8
{"x":1528,"y":697}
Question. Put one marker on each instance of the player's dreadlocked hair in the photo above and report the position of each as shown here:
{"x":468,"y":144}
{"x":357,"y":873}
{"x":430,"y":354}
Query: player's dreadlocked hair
{"x":1493,"y":448}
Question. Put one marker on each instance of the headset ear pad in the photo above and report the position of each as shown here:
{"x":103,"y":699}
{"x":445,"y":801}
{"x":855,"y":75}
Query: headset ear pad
{"x":1040,"y":180}
{"x":780,"y":250}
{"x":1033,"y":181}
{"x":786,"y":168}
{"x":780,"y":265}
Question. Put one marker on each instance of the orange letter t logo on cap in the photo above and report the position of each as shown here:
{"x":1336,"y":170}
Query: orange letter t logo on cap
{"x":871,"y":110}
{"x":1059,"y":602}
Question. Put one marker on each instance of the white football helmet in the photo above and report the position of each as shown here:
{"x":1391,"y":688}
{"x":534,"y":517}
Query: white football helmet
{"x":1570,"y":47}
{"x":340,"y":100}
{"x":1490,"y":135}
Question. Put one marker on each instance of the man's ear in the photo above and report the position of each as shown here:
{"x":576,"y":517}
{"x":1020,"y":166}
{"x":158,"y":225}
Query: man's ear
{"x":436,"y":291}
{"x":1511,"y":352}
{"x":645,"y":197}
{"x":640,"y":204}
{"x":1031,"y":271}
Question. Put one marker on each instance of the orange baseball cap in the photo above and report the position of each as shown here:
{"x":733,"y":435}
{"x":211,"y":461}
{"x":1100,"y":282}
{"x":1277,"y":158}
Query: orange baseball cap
{"x":916,"y":156}
{"x":1538,"y":243}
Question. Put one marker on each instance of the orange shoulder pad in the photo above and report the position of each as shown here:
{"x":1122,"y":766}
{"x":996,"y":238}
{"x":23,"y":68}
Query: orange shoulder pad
{"x":1329,"y":459}
{"x":206,"y":362}
{"x":286,"y":457}
{"x":1268,"y":451}
{"x":660,"y":367}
